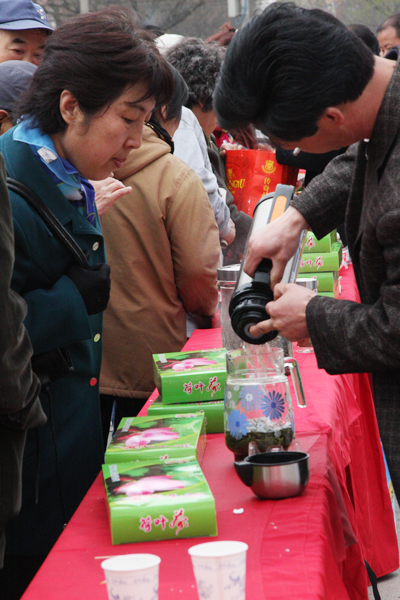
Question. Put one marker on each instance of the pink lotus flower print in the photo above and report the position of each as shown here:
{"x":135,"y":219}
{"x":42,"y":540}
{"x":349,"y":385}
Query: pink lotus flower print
{"x":191,"y":363}
{"x":161,"y":434}
{"x":149,"y":485}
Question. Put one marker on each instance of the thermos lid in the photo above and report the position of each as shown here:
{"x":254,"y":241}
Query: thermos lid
{"x":229,"y":273}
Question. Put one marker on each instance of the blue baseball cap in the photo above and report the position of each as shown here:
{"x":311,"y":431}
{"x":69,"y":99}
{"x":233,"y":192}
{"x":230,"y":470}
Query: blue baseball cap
{"x":16,"y":15}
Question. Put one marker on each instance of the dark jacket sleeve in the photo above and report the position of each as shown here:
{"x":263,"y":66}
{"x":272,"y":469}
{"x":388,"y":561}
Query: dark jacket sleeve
{"x":323,"y":203}
{"x":19,"y":387}
{"x":365,"y":337}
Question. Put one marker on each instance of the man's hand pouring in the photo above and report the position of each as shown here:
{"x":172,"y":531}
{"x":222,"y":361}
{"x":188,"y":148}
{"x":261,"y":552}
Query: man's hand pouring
{"x":279,"y":241}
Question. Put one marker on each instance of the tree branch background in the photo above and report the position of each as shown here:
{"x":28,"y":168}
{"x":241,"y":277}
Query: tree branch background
{"x":202,"y":18}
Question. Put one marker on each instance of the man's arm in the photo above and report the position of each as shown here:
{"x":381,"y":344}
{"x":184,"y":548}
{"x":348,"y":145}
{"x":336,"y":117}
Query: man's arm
{"x":321,"y":208}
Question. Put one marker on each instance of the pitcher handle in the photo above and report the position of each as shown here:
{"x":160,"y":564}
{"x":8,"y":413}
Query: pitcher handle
{"x":297,"y":382}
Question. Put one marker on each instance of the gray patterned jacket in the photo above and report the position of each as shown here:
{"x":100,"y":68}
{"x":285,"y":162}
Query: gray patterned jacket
{"x":362,"y":189}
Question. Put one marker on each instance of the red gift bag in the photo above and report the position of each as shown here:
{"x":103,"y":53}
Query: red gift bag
{"x":251,"y":174}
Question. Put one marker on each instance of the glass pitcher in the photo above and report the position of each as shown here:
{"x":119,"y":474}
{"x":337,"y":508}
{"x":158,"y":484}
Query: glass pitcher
{"x":258,"y":405}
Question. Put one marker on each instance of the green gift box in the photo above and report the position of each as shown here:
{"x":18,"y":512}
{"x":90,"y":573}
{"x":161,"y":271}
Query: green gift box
{"x":322,"y":261}
{"x":150,"y":501}
{"x":322,"y":245}
{"x":213,"y":411}
{"x":183,"y":377}
{"x":326,"y":281}
{"x":158,"y":438}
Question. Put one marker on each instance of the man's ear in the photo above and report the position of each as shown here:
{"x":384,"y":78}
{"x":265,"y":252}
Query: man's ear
{"x":335,"y":114}
{"x":69,"y":107}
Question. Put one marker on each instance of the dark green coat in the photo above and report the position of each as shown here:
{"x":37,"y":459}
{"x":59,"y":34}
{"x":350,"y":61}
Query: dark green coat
{"x":56,"y":317}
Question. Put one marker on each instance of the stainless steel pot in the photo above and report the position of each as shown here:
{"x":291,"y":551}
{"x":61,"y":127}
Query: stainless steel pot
{"x":275,"y":474}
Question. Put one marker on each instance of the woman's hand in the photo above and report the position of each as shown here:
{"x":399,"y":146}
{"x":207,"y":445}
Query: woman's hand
{"x":107,"y":191}
{"x":230,"y":236}
{"x":228,"y":146}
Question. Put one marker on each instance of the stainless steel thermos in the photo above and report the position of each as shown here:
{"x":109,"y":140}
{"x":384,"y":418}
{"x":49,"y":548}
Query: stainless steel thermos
{"x":247,"y":305}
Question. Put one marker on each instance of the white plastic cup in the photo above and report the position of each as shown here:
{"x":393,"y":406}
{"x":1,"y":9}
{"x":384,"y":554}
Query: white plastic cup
{"x":220,"y":570}
{"x":132,"y":576}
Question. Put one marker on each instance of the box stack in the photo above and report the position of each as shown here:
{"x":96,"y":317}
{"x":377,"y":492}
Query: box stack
{"x":155,"y":487}
{"x":321,"y":260}
{"x":189,"y":382}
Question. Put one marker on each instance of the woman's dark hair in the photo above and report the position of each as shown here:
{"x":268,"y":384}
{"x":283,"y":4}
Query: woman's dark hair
{"x":95,"y":56}
{"x":179,"y":97}
{"x":366,"y":35}
{"x":199,"y":64}
{"x":153,"y":30}
{"x":285,"y":67}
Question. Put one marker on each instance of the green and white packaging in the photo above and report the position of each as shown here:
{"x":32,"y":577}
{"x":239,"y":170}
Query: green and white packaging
{"x":150,"y":501}
{"x":158,"y":438}
{"x":322,"y":245}
{"x":322,"y":261}
{"x":326,"y":281}
{"x":213,"y":411}
{"x":197,"y":376}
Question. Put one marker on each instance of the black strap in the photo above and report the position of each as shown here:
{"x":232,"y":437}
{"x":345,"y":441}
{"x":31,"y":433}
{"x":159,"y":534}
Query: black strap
{"x":374,"y":581}
{"x":49,"y":218}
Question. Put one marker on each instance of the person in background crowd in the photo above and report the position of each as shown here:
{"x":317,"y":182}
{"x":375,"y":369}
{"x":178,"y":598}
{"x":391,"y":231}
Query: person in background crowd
{"x":166,"y":41}
{"x":70,"y":131}
{"x":272,"y":76}
{"x":24,"y":30}
{"x":19,"y":403}
{"x":15,"y":77}
{"x":163,"y":248}
{"x":366,"y":35}
{"x":199,"y":64}
{"x":246,"y":136}
{"x":388,"y":33}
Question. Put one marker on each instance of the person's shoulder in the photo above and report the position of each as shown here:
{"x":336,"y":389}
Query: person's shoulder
{"x":189,"y":120}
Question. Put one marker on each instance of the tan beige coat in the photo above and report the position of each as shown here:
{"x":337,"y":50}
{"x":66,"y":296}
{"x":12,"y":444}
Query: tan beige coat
{"x":162,"y":244}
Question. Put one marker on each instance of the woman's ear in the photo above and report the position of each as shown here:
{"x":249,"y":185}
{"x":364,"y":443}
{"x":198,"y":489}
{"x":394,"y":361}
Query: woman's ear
{"x":163,"y":112}
{"x":69,"y":107}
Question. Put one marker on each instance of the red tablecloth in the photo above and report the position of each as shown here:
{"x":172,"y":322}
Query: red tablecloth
{"x":307,"y":548}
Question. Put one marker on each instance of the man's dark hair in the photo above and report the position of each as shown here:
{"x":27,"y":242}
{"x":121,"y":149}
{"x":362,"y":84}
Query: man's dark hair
{"x":199,"y":64}
{"x":366,"y":35}
{"x":285,"y":67}
{"x":393,"y":21}
{"x":95,"y":56}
